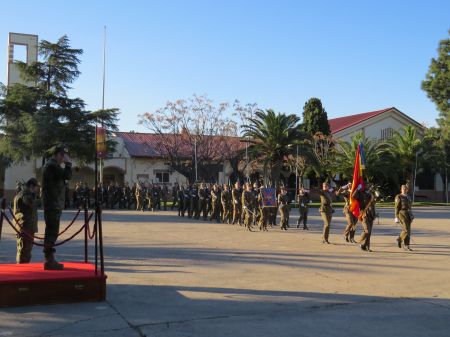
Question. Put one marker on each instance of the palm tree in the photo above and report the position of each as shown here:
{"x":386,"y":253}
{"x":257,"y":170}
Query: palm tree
{"x":404,"y":146}
{"x":379,"y":165}
{"x":272,"y":137}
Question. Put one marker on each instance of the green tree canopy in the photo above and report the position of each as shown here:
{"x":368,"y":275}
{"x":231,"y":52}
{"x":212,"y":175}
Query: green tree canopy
{"x":34,"y":118}
{"x":273,"y":137}
{"x":437,"y":85}
{"x":315,"y":118}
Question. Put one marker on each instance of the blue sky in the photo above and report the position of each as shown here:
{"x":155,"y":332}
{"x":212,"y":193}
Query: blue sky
{"x":356,"y":56}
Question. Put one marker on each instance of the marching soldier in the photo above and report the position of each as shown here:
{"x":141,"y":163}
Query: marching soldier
{"x":215,"y":204}
{"x":258,"y":202}
{"x":265,"y":213}
{"x":367,"y":214}
{"x":175,"y":199}
{"x":193,"y":207}
{"x":111,"y":195}
{"x":236,"y":196}
{"x":404,"y":216}
{"x":227,"y":204}
{"x":350,"y":229}
{"x":202,"y":199}
{"x":326,"y":209}
{"x":127,"y":194}
{"x":25,"y":211}
{"x":303,"y":201}
{"x":140,"y":197}
{"x":187,"y":201}
{"x":180,"y":199}
{"x":283,"y":202}
{"x":247,"y":205}
{"x":165,"y":196}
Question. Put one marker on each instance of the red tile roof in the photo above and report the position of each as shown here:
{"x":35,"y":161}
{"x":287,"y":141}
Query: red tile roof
{"x":341,"y":123}
{"x":150,"y":145}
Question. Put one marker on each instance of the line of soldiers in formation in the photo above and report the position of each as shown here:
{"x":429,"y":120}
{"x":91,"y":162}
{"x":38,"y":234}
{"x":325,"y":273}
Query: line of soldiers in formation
{"x":244,"y":206}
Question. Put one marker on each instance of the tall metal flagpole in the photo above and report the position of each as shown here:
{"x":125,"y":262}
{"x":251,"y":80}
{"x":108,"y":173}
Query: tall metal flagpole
{"x":103,"y":92}
{"x":195,"y":159}
{"x":296,"y":176}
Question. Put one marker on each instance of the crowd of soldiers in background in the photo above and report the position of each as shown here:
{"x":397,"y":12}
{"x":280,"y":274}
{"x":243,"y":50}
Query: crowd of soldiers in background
{"x":231,"y":204}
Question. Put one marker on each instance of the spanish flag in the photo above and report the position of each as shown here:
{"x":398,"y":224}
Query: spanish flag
{"x":357,"y":178}
{"x":100,"y":139}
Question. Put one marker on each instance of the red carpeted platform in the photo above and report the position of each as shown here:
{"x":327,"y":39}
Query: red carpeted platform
{"x":30,"y":284}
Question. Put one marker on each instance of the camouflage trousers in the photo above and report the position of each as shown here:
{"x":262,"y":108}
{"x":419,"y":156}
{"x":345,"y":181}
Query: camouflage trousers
{"x":24,"y":245}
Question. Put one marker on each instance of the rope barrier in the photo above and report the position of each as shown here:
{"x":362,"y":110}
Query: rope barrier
{"x":31,"y":238}
{"x":38,"y":237}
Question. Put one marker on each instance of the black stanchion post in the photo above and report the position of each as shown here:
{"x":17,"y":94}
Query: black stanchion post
{"x":86,"y":230}
{"x":1,"y":216}
{"x":96,"y":239}
{"x":100,"y":236}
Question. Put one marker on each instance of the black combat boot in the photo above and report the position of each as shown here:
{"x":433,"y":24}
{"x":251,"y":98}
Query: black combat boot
{"x":50,"y":262}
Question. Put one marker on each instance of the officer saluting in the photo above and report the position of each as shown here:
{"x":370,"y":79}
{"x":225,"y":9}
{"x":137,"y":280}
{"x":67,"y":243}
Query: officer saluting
{"x":54,"y":177}
{"x":403,"y":214}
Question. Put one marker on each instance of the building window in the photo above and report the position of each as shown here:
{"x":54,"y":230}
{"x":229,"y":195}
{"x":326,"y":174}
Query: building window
{"x":162,"y":177}
{"x":387,"y":133}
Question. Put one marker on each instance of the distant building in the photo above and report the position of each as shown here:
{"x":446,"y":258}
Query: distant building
{"x":380,"y":125}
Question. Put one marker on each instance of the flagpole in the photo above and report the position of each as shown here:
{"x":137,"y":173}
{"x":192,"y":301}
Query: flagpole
{"x":103,"y":91}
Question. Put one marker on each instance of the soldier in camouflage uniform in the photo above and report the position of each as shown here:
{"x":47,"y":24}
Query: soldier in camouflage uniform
{"x":25,"y":211}
{"x":140,"y":197}
{"x":404,"y":215}
{"x":175,"y":199}
{"x":248,"y":203}
{"x":236,"y":195}
{"x":283,"y":205}
{"x":180,"y":199}
{"x":187,"y":201}
{"x":367,"y":214}
{"x":215,"y":204}
{"x":350,"y":229}
{"x":326,"y":209}
{"x":265,"y":213}
{"x":193,"y":207}
{"x":53,"y":194}
{"x":165,"y":196}
{"x":202,"y":202}
{"x":227,"y":204}
{"x":303,"y":202}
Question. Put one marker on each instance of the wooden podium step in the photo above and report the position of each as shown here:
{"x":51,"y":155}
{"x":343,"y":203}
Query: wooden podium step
{"x":30,"y":284}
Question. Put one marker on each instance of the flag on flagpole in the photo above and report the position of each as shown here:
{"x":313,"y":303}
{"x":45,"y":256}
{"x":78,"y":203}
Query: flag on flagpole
{"x":357,"y":179}
{"x":101,"y":142}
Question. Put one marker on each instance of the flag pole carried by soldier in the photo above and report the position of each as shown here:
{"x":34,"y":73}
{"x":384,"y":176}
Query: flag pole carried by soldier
{"x":404,"y":216}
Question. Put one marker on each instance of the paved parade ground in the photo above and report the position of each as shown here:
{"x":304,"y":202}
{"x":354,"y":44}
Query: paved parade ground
{"x":171,"y":276}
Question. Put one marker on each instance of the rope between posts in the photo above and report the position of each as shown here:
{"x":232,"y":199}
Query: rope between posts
{"x":38,"y":237}
{"x":31,"y":238}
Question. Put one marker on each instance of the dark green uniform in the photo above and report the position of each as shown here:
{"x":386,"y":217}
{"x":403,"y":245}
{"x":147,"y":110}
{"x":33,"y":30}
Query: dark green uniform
{"x":236,"y":195}
{"x":227,"y":206}
{"x":283,"y":205}
{"x":248,"y":203}
{"x":367,"y":215}
{"x":350,"y":229}
{"x":405,"y":216}
{"x":202,"y":203}
{"x":303,"y":202}
{"x":326,"y":211}
{"x":25,"y":211}
{"x":215,"y":205}
{"x":53,"y":195}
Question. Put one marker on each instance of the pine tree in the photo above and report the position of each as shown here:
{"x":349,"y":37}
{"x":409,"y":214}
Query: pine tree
{"x":35,"y":118}
{"x":315,"y":118}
